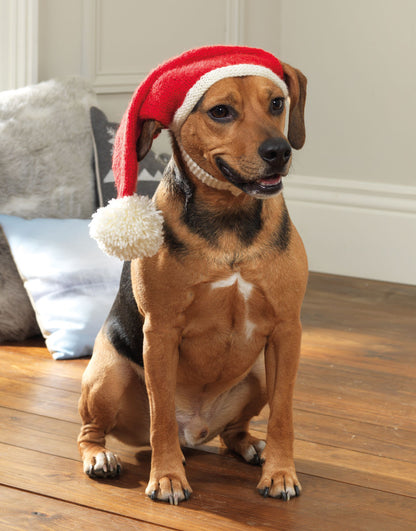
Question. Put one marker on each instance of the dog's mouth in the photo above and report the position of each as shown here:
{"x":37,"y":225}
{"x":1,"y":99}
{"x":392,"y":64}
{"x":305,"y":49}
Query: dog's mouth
{"x":266,"y":185}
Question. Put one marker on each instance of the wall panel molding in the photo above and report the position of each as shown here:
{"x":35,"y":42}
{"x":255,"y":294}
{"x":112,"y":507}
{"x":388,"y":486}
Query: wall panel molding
{"x":356,"y":228}
{"x":20,"y":41}
{"x":104,"y":81}
{"x":235,"y":22}
{"x":118,"y":80}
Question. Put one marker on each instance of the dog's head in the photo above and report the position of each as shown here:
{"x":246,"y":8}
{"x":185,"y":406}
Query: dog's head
{"x":226,"y":107}
{"x":236,"y":131}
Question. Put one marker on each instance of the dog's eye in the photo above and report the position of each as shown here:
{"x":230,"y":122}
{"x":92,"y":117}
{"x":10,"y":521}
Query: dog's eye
{"x":221,"y":113}
{"x":277,"y":105}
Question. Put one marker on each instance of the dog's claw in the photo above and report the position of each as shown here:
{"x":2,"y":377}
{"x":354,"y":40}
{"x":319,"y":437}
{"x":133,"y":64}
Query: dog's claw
{"x":265,"y":492}
{"x":256,"y":461}
{"x":173,"y":498}
{"x":285,"y":496}
{"x":297,"y":491}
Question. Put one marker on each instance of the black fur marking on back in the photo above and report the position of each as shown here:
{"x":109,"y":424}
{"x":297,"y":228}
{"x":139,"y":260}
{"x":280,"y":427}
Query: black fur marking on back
{"x":282,"y":235}
{"x":124,"y":324}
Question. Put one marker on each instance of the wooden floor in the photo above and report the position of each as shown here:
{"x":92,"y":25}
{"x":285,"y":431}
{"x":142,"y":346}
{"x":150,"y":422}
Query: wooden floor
{"x":355,"y":424}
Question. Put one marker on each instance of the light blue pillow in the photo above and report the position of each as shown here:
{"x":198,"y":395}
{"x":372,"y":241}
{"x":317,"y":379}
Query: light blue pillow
{"x":70,"y":282}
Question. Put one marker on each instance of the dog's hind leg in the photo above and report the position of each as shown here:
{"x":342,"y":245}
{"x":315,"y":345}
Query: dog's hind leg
{"x":113,"y":400}
{"x":236,"y":435}
{"x":238,"y":439}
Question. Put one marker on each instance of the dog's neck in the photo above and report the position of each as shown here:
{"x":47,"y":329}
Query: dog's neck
{"x":204,"y":176}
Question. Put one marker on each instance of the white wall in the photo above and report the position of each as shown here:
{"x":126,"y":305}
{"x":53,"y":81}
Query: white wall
{"x":352,"y":192}
{"x":360,"y":59}
{"x":18,"y":43}
{"x":115,"y":44}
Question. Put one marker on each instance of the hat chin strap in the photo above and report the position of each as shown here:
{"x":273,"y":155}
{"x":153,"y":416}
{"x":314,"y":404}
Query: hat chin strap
{"x":204,"y":176}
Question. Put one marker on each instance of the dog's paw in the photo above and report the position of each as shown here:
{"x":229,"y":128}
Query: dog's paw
{"x":253,"y":452}
{"x":242,"y":443}
{"x":105,"y":464}
{"x":282,"y":484}
{"x":169,"y":489}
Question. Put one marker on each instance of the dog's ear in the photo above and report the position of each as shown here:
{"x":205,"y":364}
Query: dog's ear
{"x":150,"y":130}
{"x":296,"y":83}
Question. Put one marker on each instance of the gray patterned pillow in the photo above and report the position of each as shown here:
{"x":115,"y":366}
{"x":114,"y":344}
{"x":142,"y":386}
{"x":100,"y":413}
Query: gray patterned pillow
{"x":151,"y":167}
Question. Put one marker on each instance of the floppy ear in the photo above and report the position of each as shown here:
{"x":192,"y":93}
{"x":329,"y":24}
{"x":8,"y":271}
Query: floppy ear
{"x":150,"y":130}
{"x":296,"y":83}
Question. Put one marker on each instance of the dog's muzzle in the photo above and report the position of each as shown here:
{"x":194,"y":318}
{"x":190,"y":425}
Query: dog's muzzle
{"x":276,"y":152}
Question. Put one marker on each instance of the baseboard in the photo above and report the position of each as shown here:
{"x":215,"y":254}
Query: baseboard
{"x":353,"y":228}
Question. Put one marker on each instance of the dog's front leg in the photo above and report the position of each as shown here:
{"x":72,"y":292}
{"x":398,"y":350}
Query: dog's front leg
{"x":167,"y":476}
{"x":279,"y":478}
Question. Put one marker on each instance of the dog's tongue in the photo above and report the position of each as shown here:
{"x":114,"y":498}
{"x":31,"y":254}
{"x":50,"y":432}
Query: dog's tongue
{"x":271,"y":180}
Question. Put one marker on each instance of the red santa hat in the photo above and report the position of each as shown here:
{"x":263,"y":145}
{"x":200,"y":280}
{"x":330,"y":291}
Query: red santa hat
{"x":130,"y":226}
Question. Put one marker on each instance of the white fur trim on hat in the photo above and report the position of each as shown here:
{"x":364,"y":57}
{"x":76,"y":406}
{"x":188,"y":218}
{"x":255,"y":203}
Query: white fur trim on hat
{"x":128,"y":227}
{"x":207,"y":80}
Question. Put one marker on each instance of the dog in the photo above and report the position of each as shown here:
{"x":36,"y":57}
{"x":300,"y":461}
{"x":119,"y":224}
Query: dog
{"x":206,"y":332}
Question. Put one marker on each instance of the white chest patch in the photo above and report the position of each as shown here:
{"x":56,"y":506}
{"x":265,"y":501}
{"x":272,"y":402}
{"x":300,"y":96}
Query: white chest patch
{"x":249,"y":328}
{"x":244,"y":287}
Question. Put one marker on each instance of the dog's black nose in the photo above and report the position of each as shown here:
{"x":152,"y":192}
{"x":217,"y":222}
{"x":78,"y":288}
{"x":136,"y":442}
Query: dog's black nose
{"x":276,"y":151}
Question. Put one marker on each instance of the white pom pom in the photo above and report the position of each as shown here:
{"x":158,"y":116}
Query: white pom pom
{"x":128,"y":227}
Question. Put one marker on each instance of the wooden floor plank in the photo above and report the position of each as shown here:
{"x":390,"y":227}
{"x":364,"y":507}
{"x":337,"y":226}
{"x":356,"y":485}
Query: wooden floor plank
{"x":39,"y":433}
{"x":219,"y":482}
{"x":58,"y":437}
{"x":367,"y":438}
{"x":355,"y":425}
{"x":364,"y":351}
{"x":65,"y":374}
{"x":356,"y":394}
{"x":38,"y":399}
{"x":388,"y":475}
{"x":34,"y":347}
{"x":25,"y":510}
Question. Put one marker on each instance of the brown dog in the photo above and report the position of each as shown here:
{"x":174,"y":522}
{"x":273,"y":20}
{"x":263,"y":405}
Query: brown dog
{"x":206,"y":332}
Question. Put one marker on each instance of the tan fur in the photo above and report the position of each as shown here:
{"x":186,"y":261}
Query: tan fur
{"x":221,"y":326}
{"x":204,"y":139}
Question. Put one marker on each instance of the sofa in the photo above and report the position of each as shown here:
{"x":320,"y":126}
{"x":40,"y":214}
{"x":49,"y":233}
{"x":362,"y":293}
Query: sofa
{"x":55,"y":171}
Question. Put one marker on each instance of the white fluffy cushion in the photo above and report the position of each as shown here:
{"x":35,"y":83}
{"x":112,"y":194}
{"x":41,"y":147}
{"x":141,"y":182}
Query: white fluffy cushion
{"x":70,"y":282}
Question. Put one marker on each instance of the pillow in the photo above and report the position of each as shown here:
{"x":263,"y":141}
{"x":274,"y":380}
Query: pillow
{"x":46,"y":150}
{"x":71,"y":283}
{"x":45,"y":171}
{"x":151,"y":167}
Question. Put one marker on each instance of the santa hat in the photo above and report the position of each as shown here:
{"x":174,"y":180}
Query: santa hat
{"x":130,"y":226}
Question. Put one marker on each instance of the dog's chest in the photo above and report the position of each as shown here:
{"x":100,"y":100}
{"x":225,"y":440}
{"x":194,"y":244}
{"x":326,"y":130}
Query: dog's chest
{"x":244,"y":288}
{"x":227,"y":326}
